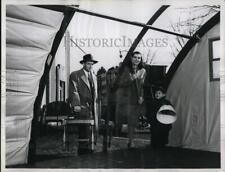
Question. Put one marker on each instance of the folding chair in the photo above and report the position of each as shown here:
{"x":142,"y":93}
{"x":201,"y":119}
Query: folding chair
{"x":60,"y":111}
{"x":57,"y":112}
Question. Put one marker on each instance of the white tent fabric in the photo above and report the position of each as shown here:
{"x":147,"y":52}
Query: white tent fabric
{"x":30,"y":32}
{"x":196,"y":100}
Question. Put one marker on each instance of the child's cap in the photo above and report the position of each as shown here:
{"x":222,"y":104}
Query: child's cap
{"x":160,"y":88}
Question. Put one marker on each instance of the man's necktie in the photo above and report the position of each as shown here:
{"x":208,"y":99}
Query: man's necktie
{"x":91,"y":82}
{"x":90,"y":79}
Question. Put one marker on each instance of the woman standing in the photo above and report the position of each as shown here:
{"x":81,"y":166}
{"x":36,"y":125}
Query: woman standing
{"x":130,"y":93}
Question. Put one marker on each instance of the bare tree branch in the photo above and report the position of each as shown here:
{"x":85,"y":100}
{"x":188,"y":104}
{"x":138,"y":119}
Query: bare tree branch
{"x":191,"y":25}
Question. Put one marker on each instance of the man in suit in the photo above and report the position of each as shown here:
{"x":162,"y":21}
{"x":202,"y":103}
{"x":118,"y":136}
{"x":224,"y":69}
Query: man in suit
{"x":83,"y":95}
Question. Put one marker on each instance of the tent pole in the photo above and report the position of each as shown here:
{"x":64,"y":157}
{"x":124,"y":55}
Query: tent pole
{"x":129,"y":22}
{"x":144,"y":30}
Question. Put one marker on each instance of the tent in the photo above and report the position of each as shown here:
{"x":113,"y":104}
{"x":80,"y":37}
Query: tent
{"x":31,"y":44}
{"x":194,"y":90}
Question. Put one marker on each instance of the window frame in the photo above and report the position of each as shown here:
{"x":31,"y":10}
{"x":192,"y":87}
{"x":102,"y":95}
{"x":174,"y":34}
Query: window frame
{"x":211,"y":59}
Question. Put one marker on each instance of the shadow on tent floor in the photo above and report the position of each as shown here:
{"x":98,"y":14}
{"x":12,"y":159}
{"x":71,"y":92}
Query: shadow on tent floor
{"x":135,"y":158}
{"x":52,"y":154}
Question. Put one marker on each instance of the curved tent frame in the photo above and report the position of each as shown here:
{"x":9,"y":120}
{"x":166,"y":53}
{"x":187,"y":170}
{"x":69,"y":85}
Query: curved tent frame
{"x":68,"y":15}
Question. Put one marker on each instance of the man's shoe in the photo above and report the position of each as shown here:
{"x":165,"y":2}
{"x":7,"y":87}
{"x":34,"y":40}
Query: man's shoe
{"x":130,"y":145}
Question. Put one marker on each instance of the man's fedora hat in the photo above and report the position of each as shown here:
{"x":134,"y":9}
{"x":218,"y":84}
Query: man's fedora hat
{"x":88,"y":58}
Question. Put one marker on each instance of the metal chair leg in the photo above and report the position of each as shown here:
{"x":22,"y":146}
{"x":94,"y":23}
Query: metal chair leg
{"x":92,"y":137}
{"x":64,"y":133}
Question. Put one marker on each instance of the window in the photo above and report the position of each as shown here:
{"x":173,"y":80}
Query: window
{"x":214,"y":59}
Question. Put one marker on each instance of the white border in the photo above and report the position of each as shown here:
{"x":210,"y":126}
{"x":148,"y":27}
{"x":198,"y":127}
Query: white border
{"x":3,"y":85}
{"x":68,"y":2}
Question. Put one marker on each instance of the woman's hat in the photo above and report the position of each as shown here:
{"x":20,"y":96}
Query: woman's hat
{"x":88,"y":58}
{"x":166,"y":114}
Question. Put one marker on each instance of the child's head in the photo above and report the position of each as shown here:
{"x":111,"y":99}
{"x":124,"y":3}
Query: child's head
{"x":160,"y":92}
